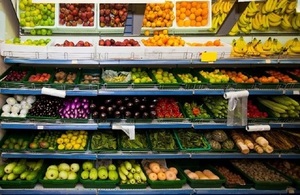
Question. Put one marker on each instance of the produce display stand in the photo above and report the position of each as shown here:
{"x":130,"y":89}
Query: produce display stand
{"x":89,"y":62}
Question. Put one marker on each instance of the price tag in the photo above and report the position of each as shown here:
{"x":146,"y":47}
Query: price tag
{"x":258,"y":128}
{"x":298,"y":6}
{"x":53,"y":92}
{"x":296,"y":92}
{"x":40,"y":127}
{"x":74,"y":62}
{"x":208,"y":56}
{"x":268,"y":61}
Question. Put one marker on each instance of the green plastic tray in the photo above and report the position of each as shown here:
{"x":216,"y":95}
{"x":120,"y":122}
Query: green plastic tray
{"x":213,"y":85}
{"x":95,"y":77}
{"x":150,"y":84}
{"x":106,"y":148}
{"x":168,"y":184}
{"x":142,"y":133}
{"x":203,"y":183}
{"x":42,"y":119}
{"x":248,"y":183}
{"x":197,"y":119}
{"x":113,"y":84}
{"x":11,"y":119}
{"x":64,"y":85}
{"x":133,"y":186}
{"x":174,"y":119}
{"x":197,"y":136}
{"x":166,"y":85}
{"x":191,"y":85}
{"x":76,"y":150}
{"x":87,"y":183}
{"x":25,"y":135}
{"x":57,"y":183}
{"x":14,"y":84}
{"x":40,"y":84}
{"x":151,"y":134}
{"x":296,"y":182}
{"x":40,"y":149}
{"x":266,"y":185}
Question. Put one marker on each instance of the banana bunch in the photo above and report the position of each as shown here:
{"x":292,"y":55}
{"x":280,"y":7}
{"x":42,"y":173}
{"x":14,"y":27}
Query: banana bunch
{"x":256,"y":48}
{"x":263,"y":16}
{"x":220,"y":9}
{"x":292,"y":47}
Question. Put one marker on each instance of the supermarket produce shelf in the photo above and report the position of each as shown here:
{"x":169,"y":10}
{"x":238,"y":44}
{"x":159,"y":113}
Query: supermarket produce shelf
{"x":151,"y":91}
{"x":54,"y":155}
{"x":38,"y":189}
{"x":89,"y":155}
{"x":139,"y":125}
{"x":232,"y":61}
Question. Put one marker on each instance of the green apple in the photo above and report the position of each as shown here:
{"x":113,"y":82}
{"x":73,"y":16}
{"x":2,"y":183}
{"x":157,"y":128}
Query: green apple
{"x":52,"y":174}
{"x":112,"y":167}
{"x":102,"y":174}
{"x":85,"y":174}
{"x":113,"y":175}
{"x":52,"y":167}
{"x":87,"y":165}
{"x":75,"y":167}
{"x":63,"y":175}
{"x":64,"y":167}
{"x":72,"y":175}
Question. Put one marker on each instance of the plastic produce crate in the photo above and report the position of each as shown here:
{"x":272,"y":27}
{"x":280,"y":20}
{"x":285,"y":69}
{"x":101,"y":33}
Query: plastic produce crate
{"x":168,"y":184}
{"x":14,"y":84}
{"x":14,"y":138}
{"x":188,"y":85}
{"x":144,"y":140}
{"x":63,"y":83}
{"x":36,"y":84}
{"x":216,"y":85}
{"x":71,"y":52}
{"x":89,"y":79}
{"x":210,"y":183}
{"x":119,"y":52}
{"x":156,"y":136}
{"x":109,"y":84}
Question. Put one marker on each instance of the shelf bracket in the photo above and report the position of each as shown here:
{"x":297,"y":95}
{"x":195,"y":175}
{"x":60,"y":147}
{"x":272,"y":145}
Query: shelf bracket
{"x":128,"y":129}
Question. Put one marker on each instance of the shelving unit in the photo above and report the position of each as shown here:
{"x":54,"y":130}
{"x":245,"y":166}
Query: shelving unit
{"x":93,"y":126}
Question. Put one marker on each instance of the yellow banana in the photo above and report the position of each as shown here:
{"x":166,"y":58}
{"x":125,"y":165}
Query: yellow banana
{"x":216,"y":7}
{"x":285,"y":23}
{"x":294,"y":23}
{"x":289,"y":43}
{"x":263,"y":9}
{"x":254,"y":41}
{"x":239,"y":50}
{"x":298,"y":20}
{"x":253,"y":7}
{"x":274,"y":17}
{"x":291,"y":7}
{"x":240,"y":42}
{"x":263,"y":53}
{"x":295,"y":49}
{"x":265,"y":24}
{"x":277,"y":46}
{"x":226,"y":7}
{"x":274,"y":24}
{"x":267,"y":45}
{"x":256,"y":24}
{"x":281,"y":6}
{"x":273,"y":5}
{"x":251,"y":51}
{"x":215,"y":22}
{"x":235,"y":30}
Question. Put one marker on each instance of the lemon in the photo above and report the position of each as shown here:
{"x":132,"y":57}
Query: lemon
{"x":60,"y":141}
{"x":81,"y":148}
{"x":80,"y":136}
{"x":74,"y":137}
{"x":73,"y":142}
{"x":79,"y":141}
{"x":70,"y":135}
{"x":63,"y":136}
{"x":61,"y":147}
{"x":85,"y":136}
{"x":82,"y":132}
{"x":66,"y":140}
{"x":69,"y":146}
{"x":76,"y":146}
{"x":75,"y":132}
{"x":83,"y":144}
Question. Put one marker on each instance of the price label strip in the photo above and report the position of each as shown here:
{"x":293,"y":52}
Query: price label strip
{"x":208,"y":56}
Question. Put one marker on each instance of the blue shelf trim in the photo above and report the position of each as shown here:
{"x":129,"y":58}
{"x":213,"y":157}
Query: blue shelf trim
{"x":31,"y":155}
{"x":40,"y":126}
{"x":212,"y":155}
{"x":20,"y":91}
{"x":148,"y":191}
{"x":238,"y":191}
{"x":162,"y":125}
{"x":145,"y":92}
{"x":149,"y":155}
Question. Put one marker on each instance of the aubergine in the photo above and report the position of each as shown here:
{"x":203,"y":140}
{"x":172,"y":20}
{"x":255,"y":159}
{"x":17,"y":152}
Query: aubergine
{"x":117,"y":114}
{"x":127,"y":114}
{"x":95,"y":115}
{"x":102,"y":108}
{"x":103,"y":116}
{"x":137,"y":115}
{"x":93,"y":107}
{"x":129,"y":105}
{"x":153,"y":114}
